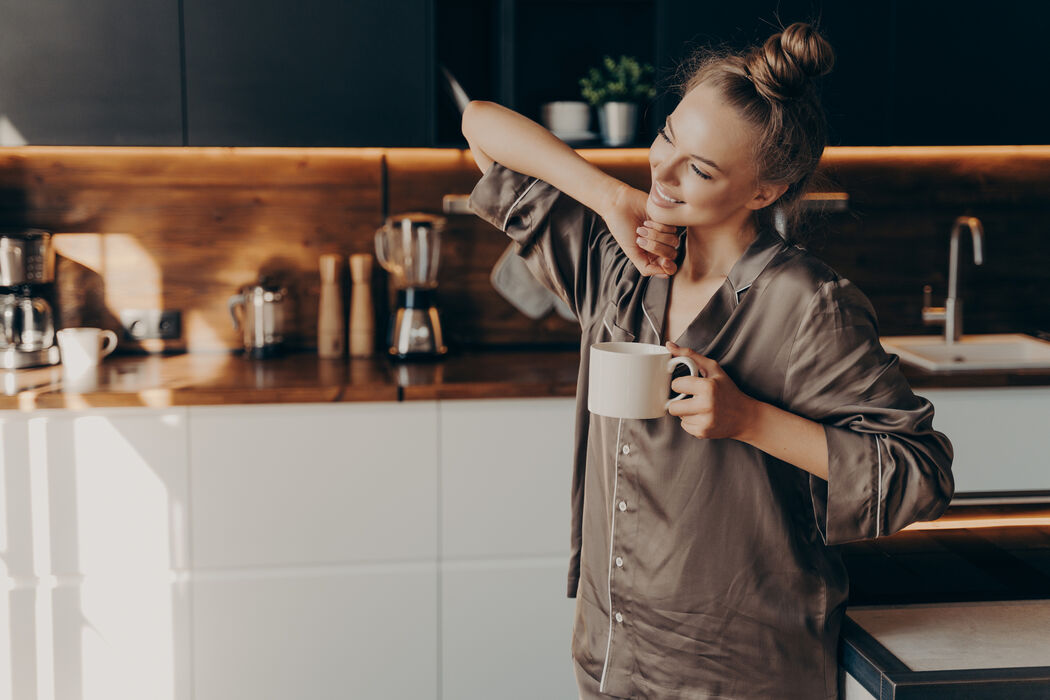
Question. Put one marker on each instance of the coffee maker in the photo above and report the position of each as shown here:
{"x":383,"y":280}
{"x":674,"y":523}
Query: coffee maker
{"x":408,"y":246}
{"x":27,"y":275}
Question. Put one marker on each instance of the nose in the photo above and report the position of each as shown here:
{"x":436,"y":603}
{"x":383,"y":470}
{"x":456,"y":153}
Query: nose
{"x":663,"y":171}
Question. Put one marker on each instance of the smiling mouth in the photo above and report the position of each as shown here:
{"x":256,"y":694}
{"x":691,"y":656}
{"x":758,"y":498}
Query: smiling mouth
{"x":659,"y":195}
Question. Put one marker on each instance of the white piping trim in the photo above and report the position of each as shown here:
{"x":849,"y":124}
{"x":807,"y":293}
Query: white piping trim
{"x":878,"y":502}
{"x":606,"y":324}
{"x":515,"y":205}
{"x":612,"y":532}
{"x":651,"y":324}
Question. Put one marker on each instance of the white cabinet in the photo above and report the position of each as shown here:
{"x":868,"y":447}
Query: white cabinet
{"x":94,"y":547}
{"x":315,"y":551}
{"x":1001,"y":436}
{"x":116,"y":485}
{"x":506,"y":623}
{"x":318,"y":633}
{"x":506,"y":472}
{"x":853,"y":690}
{"x":506,"y":630}
{"x":285,"y":485}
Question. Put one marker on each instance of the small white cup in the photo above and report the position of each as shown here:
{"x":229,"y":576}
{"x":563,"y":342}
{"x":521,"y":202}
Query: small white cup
{"x":632,"y":380}
{"x":566,"y":117}
{"x":83,"y":348}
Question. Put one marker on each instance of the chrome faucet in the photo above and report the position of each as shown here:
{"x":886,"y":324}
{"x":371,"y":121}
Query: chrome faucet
{"x":951,"y":313}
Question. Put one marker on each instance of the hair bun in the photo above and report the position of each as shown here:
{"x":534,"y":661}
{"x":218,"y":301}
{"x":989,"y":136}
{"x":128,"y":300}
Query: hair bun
{"x":782,"y":67}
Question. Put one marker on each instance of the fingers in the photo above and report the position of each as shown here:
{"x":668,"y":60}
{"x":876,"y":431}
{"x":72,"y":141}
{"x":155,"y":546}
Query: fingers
{"x":663,"y":228}
{"x":707,"y":366}
{"x":661,"y":241}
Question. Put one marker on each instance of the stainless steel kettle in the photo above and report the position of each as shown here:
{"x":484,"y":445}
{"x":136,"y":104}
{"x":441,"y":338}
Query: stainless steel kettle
{"x":263,"y":311}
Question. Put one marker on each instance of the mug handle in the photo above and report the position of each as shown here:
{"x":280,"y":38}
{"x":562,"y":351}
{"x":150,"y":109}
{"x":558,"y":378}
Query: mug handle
{"x":693,"y":370}
{"x":109,"y":343}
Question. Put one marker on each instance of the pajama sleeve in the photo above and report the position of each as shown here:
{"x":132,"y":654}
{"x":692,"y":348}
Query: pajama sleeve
{"x":565,"y":245}
{"x":887,"y":466}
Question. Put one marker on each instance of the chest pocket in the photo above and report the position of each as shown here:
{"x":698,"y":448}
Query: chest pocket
{"x":611,"y":330}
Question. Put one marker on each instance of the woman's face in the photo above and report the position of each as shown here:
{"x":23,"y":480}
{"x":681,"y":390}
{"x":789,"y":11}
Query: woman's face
{"x":702,"y":159}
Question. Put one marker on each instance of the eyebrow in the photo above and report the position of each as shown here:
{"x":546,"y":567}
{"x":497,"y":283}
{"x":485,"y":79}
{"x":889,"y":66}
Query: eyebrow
{"x":699,"y":158}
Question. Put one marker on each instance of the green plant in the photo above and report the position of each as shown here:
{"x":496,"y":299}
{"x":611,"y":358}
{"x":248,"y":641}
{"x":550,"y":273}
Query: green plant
{"x":618,"y":81}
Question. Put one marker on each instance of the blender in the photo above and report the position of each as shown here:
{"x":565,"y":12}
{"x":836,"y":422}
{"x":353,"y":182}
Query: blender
{"x":408,"y":247}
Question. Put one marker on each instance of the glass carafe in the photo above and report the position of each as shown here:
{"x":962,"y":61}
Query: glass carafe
{"x":408,"y":247}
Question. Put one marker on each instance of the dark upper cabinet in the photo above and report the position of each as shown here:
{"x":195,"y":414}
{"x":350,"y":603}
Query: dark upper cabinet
{"x":307,"y":73}
{"x":856,"y":95}
{"x":104,"y":72}
{"x":971,"y":73}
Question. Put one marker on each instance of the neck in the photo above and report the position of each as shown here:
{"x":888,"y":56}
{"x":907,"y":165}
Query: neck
{"x":712,"y":252}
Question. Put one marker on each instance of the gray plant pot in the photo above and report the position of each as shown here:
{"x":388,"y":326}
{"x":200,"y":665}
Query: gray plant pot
{"x":618,"y":122}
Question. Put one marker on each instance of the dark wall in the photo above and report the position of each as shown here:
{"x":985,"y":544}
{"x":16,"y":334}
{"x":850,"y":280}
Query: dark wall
{"x":365,"y":72}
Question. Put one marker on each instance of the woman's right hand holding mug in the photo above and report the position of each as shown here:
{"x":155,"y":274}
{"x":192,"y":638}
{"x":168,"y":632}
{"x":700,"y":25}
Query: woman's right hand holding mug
{"x":651,"y":246}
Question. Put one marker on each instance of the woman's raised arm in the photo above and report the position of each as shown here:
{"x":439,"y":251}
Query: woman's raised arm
{"x":498,"y":134}
{"x":516,"y":142}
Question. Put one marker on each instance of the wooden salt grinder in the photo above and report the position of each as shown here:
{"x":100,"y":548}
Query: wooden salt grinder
{"x":362,"y":313}
{"x":330,"y":324}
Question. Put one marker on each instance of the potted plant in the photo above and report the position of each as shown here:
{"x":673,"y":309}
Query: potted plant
{"x":615,"y":88}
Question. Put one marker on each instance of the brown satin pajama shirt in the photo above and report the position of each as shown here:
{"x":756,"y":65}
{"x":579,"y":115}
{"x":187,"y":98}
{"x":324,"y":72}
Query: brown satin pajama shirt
{"x":707,"y":568}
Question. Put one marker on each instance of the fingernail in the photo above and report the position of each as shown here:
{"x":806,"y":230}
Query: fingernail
{"x":640,"y":241}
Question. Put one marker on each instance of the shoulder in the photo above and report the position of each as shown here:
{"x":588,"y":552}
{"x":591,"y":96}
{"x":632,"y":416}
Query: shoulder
{"x":814,"y":287}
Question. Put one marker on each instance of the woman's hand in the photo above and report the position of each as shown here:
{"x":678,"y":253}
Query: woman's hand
{"x":717,"y":409}
{"x":651,"y":246}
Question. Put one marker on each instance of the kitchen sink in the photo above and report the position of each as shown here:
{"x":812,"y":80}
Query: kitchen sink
{"x":971,"y":352}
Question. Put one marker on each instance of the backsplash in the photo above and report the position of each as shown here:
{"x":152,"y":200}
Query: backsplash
{"x":185,"y":228}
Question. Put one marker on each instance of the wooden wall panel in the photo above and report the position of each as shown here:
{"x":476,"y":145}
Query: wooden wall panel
{"x":184,"y":228}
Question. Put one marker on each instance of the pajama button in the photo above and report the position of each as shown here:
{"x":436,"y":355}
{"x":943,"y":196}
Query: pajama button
{"x":627,"y":449}
{"x":619,"y":617}
{"x":619,"y":561}
{"x":623,"y":505}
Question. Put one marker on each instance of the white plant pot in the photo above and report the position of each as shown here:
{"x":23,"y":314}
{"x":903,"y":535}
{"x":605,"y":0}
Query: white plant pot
{"x":618,"y":122}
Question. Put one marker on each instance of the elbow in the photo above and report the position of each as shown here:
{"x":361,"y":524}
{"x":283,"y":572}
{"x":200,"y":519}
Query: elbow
{"x":470,"y":117}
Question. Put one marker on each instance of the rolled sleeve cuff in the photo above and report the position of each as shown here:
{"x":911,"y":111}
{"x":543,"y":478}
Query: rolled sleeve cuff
{"x":499,"y":193}
{"x":846,"y":506}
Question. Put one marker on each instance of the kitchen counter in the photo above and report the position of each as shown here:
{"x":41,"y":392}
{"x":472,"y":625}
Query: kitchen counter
{"x":209,"y":379}
{"x":977,"y":650}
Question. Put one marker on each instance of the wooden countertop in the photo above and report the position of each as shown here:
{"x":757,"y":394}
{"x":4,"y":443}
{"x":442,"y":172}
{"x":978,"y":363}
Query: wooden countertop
{"x":210,"y":379}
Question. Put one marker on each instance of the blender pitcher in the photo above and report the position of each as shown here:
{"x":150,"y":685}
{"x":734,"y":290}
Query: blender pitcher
{"x":408,"y":247}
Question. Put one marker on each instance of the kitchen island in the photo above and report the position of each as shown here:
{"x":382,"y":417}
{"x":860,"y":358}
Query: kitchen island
{"x":320,"y":515}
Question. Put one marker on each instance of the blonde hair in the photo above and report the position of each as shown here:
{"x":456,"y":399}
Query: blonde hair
{"x":772,"y":88}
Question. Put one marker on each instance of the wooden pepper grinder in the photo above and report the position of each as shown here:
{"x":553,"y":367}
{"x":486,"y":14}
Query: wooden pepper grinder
{"x":362,"y":314}
{"x":330,"y":325}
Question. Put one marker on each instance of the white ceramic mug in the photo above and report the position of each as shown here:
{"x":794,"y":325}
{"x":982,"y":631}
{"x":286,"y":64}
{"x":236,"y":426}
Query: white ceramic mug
{"x":632,"y":380}
{"x":566,"y":117}
{"x":83,"y":348}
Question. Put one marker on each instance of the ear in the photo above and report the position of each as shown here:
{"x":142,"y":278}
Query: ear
{"x":766,"y":194}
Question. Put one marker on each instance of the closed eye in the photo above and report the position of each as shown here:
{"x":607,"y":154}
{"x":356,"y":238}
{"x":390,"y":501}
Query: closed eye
{"x":691,"y":165}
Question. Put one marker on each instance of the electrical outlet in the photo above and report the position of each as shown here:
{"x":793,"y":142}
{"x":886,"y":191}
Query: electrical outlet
{"x":147,"y":324}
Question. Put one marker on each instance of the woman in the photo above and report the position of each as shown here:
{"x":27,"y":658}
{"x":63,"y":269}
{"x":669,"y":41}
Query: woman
{"x":703,"y":561}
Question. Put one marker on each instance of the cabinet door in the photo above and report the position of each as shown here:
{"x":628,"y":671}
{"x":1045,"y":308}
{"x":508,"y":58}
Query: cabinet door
{"x":506,"y":473}
{"x":999,"y":435}
{"x":310,"y":73}
{"x":970,"y":73}
{"x":103,"y":611}
{"x":285,"y":485}
{"x":506,"y":630}
{"x":104,"y":72}
{"x":856,"y":94}
{"x":322,"y":633}
{"x":115,"y":484}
